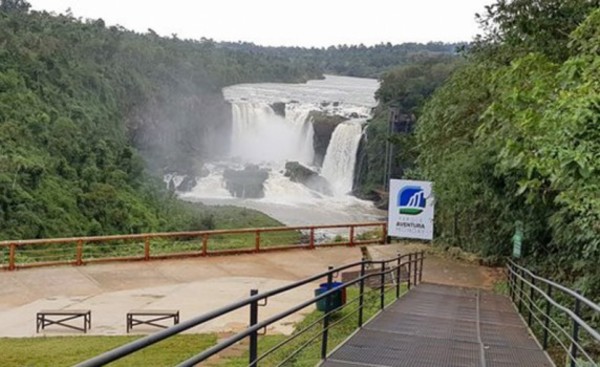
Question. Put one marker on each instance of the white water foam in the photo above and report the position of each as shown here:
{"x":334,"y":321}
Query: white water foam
{"x":261,"y":136}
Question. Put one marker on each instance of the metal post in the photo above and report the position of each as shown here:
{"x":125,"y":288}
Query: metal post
{"x":387,"y":174}
{"x":415,"y":269}
{"x":398,"y":277}
{"x":530,"y":315}
{"x":351,"y":235}
{"x":511,"y":281}
{"x":421,"y":266}
{"x":382,"y":285}
{"x":575,"y":334}
{"x":520,"y":288}
{"x":328,"y":307}
{"x":409,"y":269}
{"x":253,"y":347}
{"x":362,"y":293}
{"x":547,"y":320}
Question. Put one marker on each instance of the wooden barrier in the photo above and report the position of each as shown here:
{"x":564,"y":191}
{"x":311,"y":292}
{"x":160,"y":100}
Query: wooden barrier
{"x":79,"y":251}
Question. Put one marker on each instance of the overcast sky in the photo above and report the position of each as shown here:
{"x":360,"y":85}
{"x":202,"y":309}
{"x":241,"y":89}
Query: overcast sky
{"x":280,"y":22}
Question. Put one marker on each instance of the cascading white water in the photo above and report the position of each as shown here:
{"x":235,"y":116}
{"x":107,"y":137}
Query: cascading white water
{"x":260,"y":135}
{"x":340,"y":159}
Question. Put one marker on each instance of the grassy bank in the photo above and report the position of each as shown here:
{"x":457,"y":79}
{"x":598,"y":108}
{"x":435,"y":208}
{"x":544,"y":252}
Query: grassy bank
{"x":66,"y":351}
{"x":69,"y":350}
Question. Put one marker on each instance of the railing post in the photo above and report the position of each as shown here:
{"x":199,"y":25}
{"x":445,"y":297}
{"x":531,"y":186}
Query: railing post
{"x":384,"y":233}
{"x":382,"y":285}
{"x":79,"y":253}
{"x":511,"y":291}
{"x":530,"y":315}
{"x":416,"y":260}
{"x":311,"y":244}
{"x":521,"y":275}
{"x":11,"y":256}
{"x":421,"y":267}
{"x":573,"y":352}
{"x":147,"y":248}
{"x":328,"y":307}
{"x":409,"y":269}
{"x":205,"y":244}
{"x":253,"y":344}
{"x":351,"y":235}
{"x":398,"y":276}
{"x":257,"y":241}
{"x":547,"y":320}
{"x":361,"y":292}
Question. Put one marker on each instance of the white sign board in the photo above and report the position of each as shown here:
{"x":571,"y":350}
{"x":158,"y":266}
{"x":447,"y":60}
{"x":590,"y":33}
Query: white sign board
{"x":410,"y":210}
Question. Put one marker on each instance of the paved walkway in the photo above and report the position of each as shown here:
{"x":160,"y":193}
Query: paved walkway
{"x":193,"y":286}
{"x":439,"y":325}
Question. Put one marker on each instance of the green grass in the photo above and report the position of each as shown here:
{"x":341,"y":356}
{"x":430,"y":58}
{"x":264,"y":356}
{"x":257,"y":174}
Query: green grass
{"x":69,"y":350}
{"x":340,"y":330}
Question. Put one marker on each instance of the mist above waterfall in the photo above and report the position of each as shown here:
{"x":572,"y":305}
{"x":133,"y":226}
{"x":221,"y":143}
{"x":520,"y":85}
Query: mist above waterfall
{"x":274,"y":124}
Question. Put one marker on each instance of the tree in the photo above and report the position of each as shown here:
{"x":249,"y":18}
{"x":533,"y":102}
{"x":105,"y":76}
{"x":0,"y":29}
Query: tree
{"x":16,"y":6}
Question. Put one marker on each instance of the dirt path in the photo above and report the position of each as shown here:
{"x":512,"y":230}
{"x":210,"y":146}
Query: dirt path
{"x":442,"y":269}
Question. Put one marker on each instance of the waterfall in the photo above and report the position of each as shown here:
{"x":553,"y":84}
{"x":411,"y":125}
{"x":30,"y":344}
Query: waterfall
{"x":340,"y":158}
{"x":260,"y":135}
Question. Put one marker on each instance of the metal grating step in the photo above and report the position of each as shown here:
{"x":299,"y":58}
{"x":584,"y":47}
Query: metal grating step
{"x":422,"y":325}
{"x":436,"y":326}
{"x":399,"y":350}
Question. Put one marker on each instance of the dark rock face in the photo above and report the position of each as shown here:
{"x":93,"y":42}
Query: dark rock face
{"x":323,"y":126}
{"x":188,"y":183}
{"x":278,"y":108}
{"x":309,"y":178}
{"x":246,"y":183}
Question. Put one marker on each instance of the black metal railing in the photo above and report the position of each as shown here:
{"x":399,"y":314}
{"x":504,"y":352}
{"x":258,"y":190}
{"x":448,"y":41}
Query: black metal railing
{"x":565,"y":322}
{"x":389,"y":274}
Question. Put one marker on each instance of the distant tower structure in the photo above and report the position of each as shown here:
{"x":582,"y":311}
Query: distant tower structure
{"x":398,"y":123}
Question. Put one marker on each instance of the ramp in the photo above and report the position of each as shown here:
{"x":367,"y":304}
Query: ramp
{"x":443,"y":326}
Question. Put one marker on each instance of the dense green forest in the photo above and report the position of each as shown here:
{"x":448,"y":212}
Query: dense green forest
{"x":405,"y":89}
{"x":82,"y":104}
{"x":354,"y":60}
{"x":91,"y":116}
{"x":512,"y":138}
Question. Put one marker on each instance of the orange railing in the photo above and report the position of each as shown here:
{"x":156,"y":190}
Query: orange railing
{"x":149,"y":246}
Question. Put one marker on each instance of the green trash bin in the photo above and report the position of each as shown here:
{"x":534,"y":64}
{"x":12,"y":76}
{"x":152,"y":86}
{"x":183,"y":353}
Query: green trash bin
{"x":337,"y":298}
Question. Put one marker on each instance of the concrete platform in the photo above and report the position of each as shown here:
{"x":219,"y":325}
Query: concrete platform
{"x":193,"y":286}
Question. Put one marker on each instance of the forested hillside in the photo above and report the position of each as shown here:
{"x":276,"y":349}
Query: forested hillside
{"x":404,"y":89}
{"x":513,"y":139}
{"x":354,"y":60}
{"x":82,"y":103}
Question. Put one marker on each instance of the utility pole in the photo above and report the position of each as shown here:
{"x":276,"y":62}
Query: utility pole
{"x":389,"y":147}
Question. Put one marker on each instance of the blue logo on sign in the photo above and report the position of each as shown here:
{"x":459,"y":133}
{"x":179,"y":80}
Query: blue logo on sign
{"x":411,"y":200}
